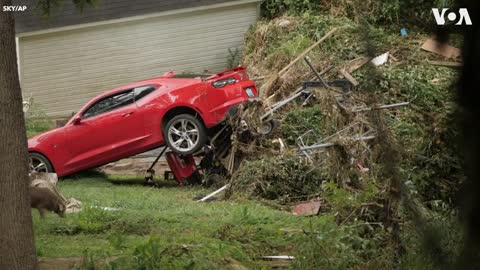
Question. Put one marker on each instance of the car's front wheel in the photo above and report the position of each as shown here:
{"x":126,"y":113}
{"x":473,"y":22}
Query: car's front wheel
{"x":39,"y":163}
{"x":185,"y":134}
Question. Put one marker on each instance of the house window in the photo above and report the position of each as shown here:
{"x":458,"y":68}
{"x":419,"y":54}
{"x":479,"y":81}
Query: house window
{"x":109,"y":103}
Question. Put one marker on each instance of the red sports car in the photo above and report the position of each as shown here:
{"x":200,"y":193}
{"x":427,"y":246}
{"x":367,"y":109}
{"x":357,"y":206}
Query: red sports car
{"x":138,"y":117}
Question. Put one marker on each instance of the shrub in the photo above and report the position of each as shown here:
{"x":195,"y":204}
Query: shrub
{"x":36,"y":120}
{"x":233,"y":58}
{"x":278,"y":178}
{"x":327,"y":246}
{"x":96,"y":261}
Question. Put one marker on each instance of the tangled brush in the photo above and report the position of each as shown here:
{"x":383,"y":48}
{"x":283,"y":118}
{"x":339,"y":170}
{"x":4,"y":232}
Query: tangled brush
{"x":276,"y":178}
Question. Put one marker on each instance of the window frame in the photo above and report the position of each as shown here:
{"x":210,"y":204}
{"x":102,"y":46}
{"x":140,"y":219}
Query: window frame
{"x":107,"y":97}
{"x":143,"y":86}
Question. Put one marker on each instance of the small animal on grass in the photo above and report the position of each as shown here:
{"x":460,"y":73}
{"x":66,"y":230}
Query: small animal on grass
{"x":43,"y":199}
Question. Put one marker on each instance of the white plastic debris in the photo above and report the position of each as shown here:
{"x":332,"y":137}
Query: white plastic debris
{"x":214,"y":193}
{"x":284,"y":23}
{"x":106,"y":208}
{"x":26,"y":106}
{"x":73,"y":205}
{"x":381,"y":59}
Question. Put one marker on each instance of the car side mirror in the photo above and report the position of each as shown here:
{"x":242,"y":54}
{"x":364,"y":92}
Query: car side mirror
{"x":77,"y":120}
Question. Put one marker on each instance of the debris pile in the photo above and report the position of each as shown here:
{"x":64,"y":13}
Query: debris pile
{"x":319,"y":91}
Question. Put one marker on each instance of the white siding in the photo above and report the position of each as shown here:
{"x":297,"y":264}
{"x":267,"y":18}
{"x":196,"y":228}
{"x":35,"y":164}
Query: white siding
{"x":63,"y":70}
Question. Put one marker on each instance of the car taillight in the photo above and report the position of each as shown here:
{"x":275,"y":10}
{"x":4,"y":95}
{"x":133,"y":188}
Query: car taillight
{"x":250,"y":92}
{"x":222,"y":83}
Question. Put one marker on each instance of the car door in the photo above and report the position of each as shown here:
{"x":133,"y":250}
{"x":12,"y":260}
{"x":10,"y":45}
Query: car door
{"x":107,"y":129}
{"x":148,"y":110}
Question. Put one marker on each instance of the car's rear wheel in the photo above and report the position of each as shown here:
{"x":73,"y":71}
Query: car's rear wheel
{"x":185,"y":134}
{"x":39,"y":163}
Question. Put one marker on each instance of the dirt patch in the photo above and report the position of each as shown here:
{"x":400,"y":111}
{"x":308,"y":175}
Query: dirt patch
{"x":67,"y":263}
{"x":134,"y":167}
{"x":59,"y":263}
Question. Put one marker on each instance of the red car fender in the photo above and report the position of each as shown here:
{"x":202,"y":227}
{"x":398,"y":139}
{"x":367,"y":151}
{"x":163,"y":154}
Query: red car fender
{"x":179,"y":106}
{"x":47,"y":150}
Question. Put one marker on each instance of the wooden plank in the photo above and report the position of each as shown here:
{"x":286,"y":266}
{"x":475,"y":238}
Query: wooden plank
{"x":446,"y":64}
{"x":445,"y":50}
{"x":357,"y":63}
{"x":349,"y":77}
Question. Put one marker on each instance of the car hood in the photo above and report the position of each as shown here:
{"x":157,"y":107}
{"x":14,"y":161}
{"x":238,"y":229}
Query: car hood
{"x":44,"y":137}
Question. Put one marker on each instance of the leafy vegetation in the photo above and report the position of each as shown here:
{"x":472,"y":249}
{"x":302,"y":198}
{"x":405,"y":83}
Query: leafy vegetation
{"x":409,"y":12}
{"x":233,"y":58}
{"x":298,"y":122}
{"x":36,"y":120}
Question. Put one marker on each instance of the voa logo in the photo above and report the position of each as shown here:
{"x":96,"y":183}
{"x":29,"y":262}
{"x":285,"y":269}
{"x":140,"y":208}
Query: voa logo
{"x":461,"y":17}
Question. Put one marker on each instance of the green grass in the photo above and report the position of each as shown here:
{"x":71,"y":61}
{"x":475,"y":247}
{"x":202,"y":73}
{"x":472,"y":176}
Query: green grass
{"x":185,"y":234}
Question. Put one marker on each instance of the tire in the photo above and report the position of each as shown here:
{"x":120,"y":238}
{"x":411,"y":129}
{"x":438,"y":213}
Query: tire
{"x":185,"y":134}
{"x":268,"y":127}
{"x":40,"y":163}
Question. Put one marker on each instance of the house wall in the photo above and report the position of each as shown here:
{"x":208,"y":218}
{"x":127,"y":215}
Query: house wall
{"x":67,"y":14}
{"x":62,"y":70}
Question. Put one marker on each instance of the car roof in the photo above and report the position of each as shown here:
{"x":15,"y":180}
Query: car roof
{"x":171,"y":83}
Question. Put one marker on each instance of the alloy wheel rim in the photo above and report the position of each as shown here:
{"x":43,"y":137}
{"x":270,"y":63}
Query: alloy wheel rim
{"x":37,"y":165}
{"x":266,"y":128}
{"x":183,"y":135}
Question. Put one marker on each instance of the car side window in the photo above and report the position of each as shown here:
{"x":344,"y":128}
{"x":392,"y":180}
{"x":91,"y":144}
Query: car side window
{"x":142,"y":91}
{"x":110,"y":103}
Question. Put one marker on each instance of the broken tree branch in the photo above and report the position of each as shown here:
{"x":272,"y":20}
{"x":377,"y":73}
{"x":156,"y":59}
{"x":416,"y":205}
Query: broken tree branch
{"x":383,"y":107}
{"x":325,"y":145}
{"x":314,"y":70}
{"x":258,"y":78}
{"x":270,"y":82}
{"x":285,"y":69}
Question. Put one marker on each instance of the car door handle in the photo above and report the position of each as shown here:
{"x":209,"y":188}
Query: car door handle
{"x":127,"y":114}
